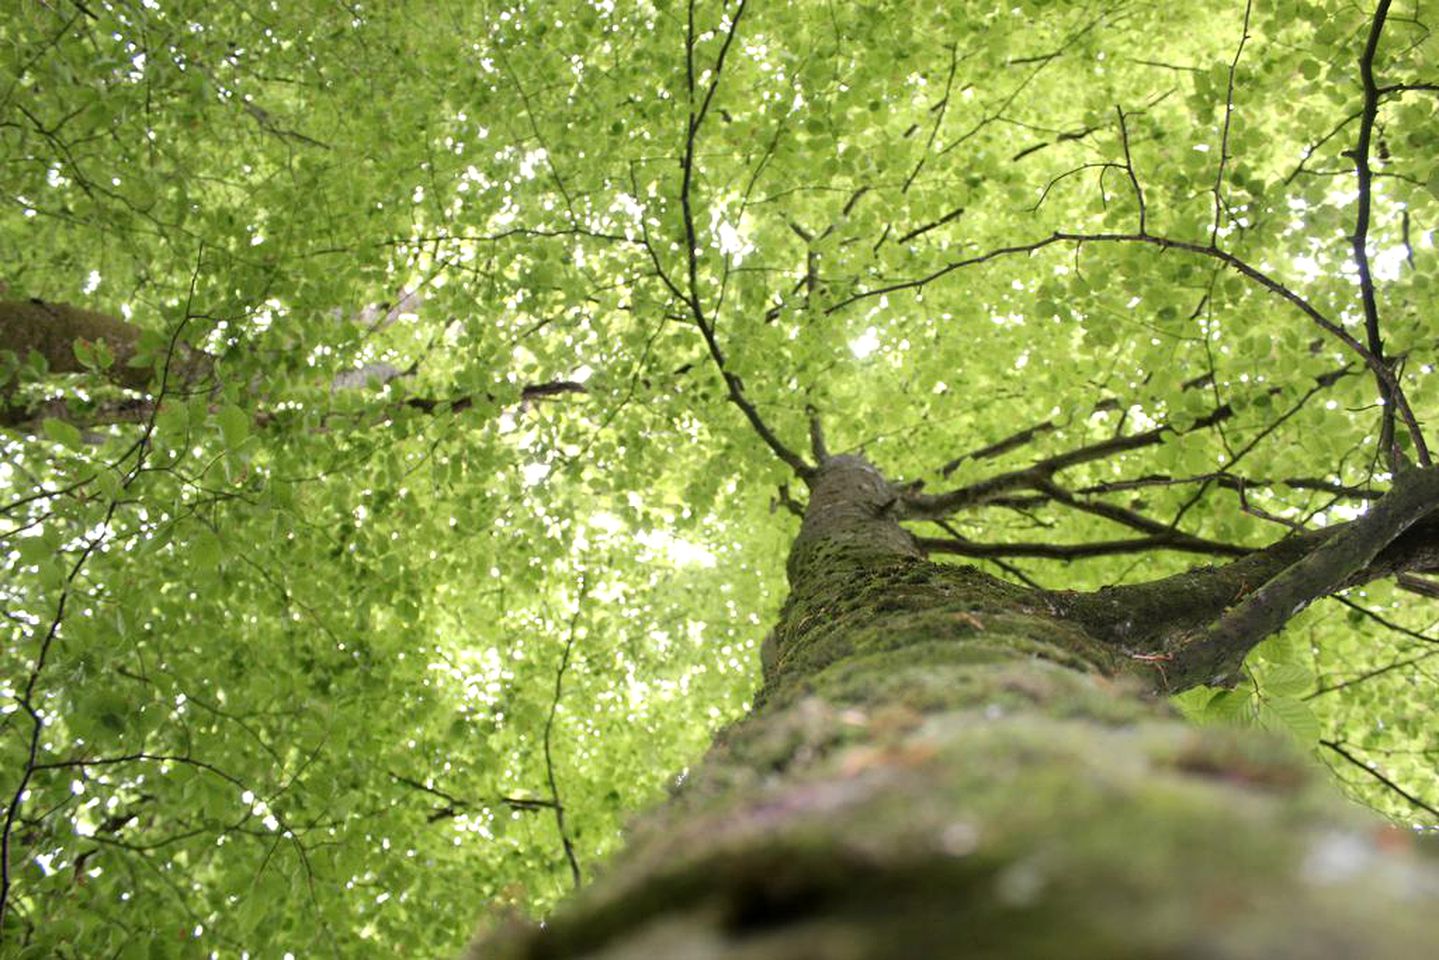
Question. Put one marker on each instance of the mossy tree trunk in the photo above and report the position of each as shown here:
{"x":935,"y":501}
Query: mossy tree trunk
{"x":943,"y":764}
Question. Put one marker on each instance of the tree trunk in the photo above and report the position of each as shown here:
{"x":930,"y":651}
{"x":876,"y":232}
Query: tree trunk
{"x":943,"y":764}
{"x":51,"y":329}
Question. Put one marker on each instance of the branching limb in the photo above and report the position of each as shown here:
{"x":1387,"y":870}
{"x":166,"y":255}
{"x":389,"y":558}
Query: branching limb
{"x":1178,"y":541}
{"x":1148,"y":617}
{"x":691,"y":297}
{"x":1214,"y":655}
{"x":920,"y":506}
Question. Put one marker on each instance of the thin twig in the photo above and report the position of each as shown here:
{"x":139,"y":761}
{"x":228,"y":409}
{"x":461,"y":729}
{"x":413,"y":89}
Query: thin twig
{"x":1224,"y":137}
{"x":1371,"y":771}
{"x":1129,"y":169}
{"x":549,"y":728}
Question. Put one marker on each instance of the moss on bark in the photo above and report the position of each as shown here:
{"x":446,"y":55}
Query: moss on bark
{"x":943,"y":764}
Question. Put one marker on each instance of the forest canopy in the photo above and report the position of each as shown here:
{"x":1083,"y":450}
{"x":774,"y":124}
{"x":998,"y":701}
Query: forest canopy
{"x":401,"y":404}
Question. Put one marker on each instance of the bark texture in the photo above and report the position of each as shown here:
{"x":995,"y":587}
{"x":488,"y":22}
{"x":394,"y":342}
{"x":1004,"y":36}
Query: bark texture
{"x":943,"y":764}
{"x":51,"y":330}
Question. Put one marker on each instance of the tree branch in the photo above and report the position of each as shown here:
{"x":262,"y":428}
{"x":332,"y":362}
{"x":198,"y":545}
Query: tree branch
{"x":560,"y":671}
{"x":1178,"y":541}
{"x":1360,"y":240}
{"x":1216,"y":654}
{"x":454,"y":805}
{"x":921,"y":506}
{"x":691,"y":298}
{"x":1149,"y":617}
{"x":1355,"y":761}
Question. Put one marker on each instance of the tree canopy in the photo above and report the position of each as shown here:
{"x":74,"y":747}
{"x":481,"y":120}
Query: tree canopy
{"x":403,"y":403}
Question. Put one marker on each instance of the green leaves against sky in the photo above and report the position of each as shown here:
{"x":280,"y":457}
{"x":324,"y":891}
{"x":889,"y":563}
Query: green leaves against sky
{"x":280,"y":650}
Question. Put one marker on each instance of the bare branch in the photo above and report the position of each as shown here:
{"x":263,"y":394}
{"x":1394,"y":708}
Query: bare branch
{"x":1129,"y":169}
{"x":939,"y":111}
{"x":1177,"y":541}
{"x":1224,"y":137}
{"x":1011,"y":442}
{"x":1388,"y":387}
{"x":918,"y":506}
{"x":560,"y":671}
{"x":1375,"y":774}
{"x":691,"y":298}
{"x":454,"y":805}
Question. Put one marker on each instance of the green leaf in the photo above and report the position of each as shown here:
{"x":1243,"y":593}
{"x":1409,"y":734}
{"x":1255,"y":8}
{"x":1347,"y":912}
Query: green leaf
{"x":109,"y":483}
{"x":1292,"y":715}
{"x":1286,"y":680}
{"x":1231,"y":707}
{"x":66,"y":434}
{"x":35,"y":550}
{"x":234,"y":425}
{"x":173,"y":423}
{"x":207,"y":550}
{"x":85,"y":354}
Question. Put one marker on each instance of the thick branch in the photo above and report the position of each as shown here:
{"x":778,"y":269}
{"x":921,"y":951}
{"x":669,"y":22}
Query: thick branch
{"x":1216,"y":654}
{"x":1182,"y":542}
{"x":921,"y":506}
{"x":1147,"y":617}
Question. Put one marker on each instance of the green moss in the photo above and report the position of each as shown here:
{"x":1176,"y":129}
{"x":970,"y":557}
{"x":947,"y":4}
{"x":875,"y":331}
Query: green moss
{"x":845,"y":607}
{"x":945,"y":764}
{"x":1001,"y":829}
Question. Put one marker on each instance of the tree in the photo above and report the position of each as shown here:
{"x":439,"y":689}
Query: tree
{"x":410,"y":412}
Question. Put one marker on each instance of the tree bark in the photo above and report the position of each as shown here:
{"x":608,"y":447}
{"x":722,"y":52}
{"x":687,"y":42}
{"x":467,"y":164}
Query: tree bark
{"x":51,"y":329}
{"x":943,"y":764}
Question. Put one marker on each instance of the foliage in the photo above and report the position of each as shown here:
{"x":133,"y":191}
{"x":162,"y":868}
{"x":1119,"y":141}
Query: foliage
{"x":283,"y":649}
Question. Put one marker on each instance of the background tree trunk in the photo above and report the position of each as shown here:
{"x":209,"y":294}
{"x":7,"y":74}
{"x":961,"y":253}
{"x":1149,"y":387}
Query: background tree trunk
{"x":51,"y":330}
{"x":945,"y":764}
